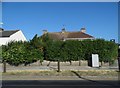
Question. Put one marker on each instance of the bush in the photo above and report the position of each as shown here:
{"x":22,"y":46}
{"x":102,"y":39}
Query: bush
{"x":16,"y":53}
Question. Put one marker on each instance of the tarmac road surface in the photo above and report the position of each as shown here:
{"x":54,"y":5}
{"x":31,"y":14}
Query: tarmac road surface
{"x":60,"y":84}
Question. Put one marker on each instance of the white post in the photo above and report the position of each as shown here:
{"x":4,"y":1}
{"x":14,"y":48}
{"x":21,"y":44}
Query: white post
{"x":95,"y":60}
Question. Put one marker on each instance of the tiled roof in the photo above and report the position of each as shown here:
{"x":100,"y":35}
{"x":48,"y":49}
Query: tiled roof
{"x":62,"y":36}
{"x":7,"y":33}
{"x":79,"y":35}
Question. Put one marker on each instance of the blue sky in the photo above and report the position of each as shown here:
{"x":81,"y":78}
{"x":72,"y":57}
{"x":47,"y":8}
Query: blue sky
{"x":99,"y":18}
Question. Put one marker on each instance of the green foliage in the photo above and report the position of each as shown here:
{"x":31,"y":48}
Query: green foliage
{"x":16,"y":53}
{"x":47,"y":42}
{"x":43,"y":48}
{"x":36,"y":48}
{"x":13,"y":53}
{"x":0,"y":53}
{"x":106,"y":50}
{"x":73,"y":50}
{"x":53,"y":50}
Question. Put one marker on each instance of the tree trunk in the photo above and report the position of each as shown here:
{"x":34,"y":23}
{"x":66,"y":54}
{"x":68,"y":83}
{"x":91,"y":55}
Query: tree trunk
{"x":58,"y":66}
{"x":79,"y":62}
{"x":119,"y":64}
{"x":4,"y":66}
{"x":70,"y":62}
{"x":40,"y":62}
{"x":110,"y":63}
{"x":102,"y":63}
{"x":48,"y":64}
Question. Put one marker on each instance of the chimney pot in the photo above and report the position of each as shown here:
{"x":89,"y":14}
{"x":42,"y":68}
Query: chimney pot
{"x":83,"y":30}
{"x":63,"y":30}
{"x":1,"y":29}
{"x":44,"y":31}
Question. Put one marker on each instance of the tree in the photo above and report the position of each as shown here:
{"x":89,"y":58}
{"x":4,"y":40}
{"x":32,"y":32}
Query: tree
{"x":13,"y":53}
{"x":35,"y":48}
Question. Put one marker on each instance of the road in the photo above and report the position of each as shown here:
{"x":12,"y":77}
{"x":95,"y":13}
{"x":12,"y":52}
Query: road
{"x":60,"y":84}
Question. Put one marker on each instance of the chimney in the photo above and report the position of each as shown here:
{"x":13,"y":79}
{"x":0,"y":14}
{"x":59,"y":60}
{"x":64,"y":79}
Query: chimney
{"x":63,"y":30}
{"x":83,"y":30}
{"x":1,"y":29}
{"x":112,"y":40}
{"x":44,"y":31}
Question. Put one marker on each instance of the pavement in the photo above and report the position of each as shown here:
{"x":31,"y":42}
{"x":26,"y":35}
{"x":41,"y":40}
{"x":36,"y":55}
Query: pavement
{"x":62,"y":68}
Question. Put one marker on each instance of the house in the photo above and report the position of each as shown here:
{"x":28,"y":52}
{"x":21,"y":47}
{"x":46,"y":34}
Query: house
{"x":65,"y":35}
{"x":11,"y":35}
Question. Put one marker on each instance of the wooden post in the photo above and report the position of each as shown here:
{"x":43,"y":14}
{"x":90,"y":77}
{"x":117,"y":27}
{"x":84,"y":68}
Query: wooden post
{"x":4,"y":66}
{"x":79,"y":62}
{"x":70,"y":62}
{"x":119,"y":58}
{"x":58,"y":66}
{"x":101,"y":64}
{"x":119,"y":63}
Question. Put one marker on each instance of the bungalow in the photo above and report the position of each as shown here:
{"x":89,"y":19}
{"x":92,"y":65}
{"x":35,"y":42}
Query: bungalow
{"x":11,"y":35}
{"x":65,"y":35}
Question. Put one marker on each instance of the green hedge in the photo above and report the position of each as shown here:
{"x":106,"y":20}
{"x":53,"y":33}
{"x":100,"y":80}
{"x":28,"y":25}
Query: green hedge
{"x":72,"y":50}
{"x":43,"y":48}
{"x":16,"y":53}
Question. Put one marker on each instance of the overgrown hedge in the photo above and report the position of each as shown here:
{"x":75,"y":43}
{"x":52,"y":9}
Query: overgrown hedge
{"x":16,"y":53}
{"x":39,"y":48}
{"x":73,"y":50}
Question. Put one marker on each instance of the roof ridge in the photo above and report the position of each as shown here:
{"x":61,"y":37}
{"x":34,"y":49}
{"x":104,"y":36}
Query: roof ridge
{"x":8,"y":33}
{"x":65,"y":32}
{"x":87,"y":34}
{"x":11,"y":30}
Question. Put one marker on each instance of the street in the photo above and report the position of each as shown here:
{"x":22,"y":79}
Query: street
{"x":60,"y":84}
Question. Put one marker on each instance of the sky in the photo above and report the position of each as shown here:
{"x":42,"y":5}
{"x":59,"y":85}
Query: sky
{"x":99,"y":18}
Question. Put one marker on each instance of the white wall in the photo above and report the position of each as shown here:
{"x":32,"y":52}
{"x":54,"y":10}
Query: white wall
{"x":18,"y":36}
{"x":4,"y":41}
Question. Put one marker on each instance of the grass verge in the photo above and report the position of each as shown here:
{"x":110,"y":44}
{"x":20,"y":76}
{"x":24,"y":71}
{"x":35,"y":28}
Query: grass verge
{"x":62,"y":73}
